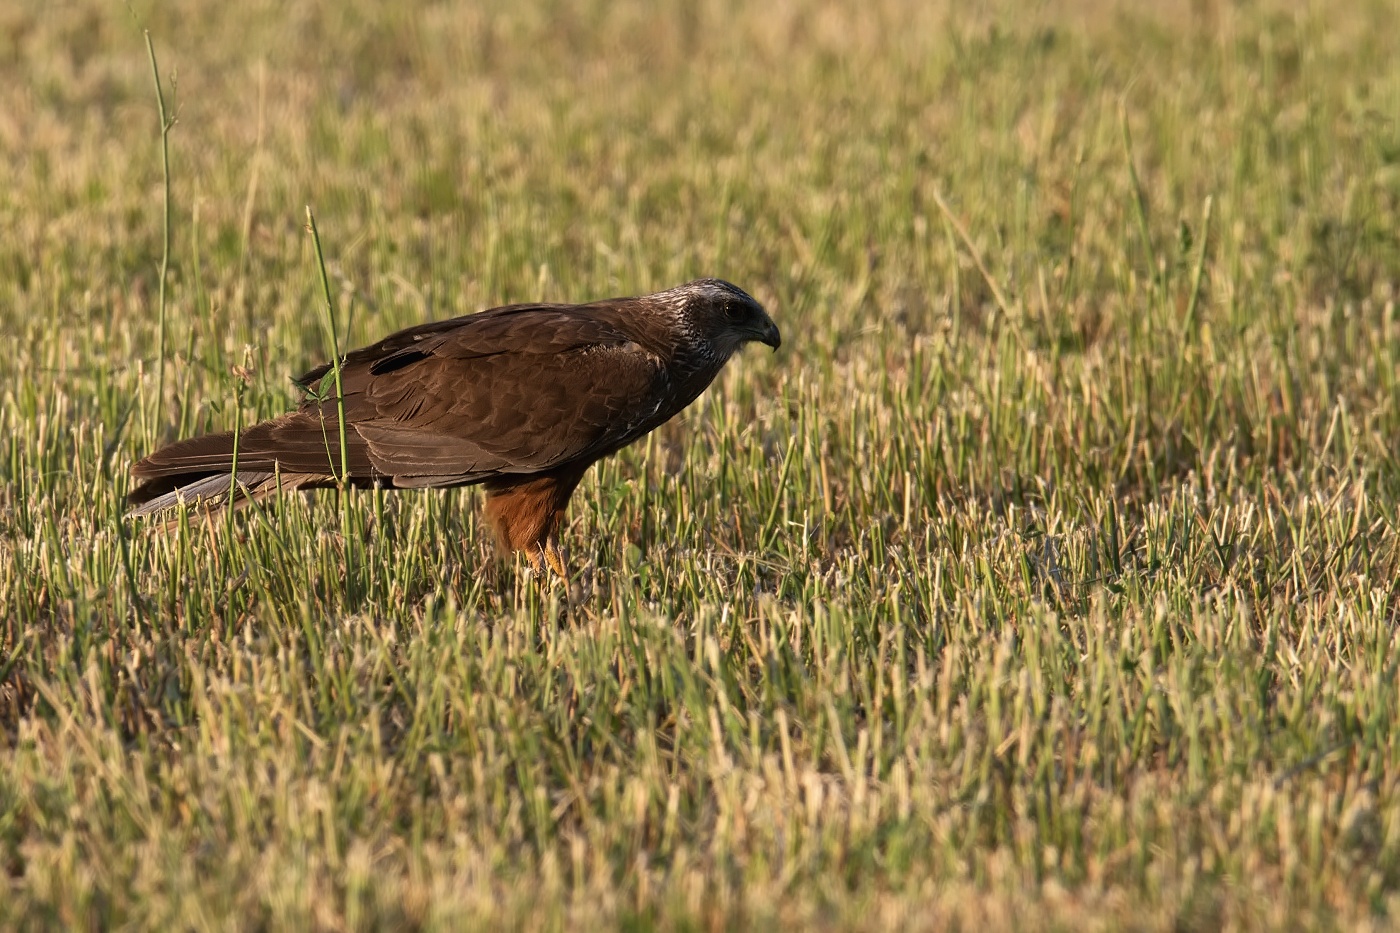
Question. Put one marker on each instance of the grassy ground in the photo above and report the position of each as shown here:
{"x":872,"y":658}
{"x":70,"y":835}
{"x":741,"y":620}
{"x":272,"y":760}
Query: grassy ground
{"x":1046,"y":579}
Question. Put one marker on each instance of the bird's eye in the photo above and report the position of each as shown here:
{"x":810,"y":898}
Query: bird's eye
{"x":733,"y":310}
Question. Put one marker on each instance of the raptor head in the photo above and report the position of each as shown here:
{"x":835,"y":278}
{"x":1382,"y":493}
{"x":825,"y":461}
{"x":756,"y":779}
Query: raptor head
{"x":722,"y":314}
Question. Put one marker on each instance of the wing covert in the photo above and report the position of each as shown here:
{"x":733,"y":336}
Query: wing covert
{"x":516,"y":391}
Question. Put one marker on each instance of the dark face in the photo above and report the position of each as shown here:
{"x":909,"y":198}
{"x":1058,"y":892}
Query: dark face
{"x":731,"y":316}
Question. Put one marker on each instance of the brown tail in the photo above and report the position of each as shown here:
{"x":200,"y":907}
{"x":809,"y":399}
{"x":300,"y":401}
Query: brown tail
{"x":290,"y":452}
{"x":210,"y":490}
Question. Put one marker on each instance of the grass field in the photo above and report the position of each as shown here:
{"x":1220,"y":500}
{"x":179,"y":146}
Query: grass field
{"x":1045,"y":579}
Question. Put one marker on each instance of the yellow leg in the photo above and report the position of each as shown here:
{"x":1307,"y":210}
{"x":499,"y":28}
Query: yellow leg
{"x":557,"y":557}
{"x":551,"y":555}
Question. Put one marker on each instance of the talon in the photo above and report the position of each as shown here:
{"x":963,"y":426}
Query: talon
{"x":536,"y":559}
{"x":557,"y":557}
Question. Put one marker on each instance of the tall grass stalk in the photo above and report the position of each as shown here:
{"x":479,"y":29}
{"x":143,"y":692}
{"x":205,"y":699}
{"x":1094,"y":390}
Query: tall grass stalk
{"x":333,"y":339}
{"x":167,"y":123}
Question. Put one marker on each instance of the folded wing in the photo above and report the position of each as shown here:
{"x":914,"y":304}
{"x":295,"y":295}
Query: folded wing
{"x":515,"y":390}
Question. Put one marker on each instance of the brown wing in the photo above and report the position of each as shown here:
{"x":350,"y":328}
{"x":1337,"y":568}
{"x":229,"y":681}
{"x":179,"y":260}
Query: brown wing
{"x":510,"y":391}
{"x":484,"y":328}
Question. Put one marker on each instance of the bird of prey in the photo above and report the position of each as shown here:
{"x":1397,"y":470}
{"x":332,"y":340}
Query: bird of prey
{"x":521,"y":399}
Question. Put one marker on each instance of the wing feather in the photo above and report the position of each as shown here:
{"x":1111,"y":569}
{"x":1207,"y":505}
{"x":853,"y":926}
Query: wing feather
{"x":515,"y":390}
{"x":511,"y":391}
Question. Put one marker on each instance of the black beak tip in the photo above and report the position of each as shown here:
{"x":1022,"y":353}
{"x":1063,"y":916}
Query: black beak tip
{"x":773,"y":337}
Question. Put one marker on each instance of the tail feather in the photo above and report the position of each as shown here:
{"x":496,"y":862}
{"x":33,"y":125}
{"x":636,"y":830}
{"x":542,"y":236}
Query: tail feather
{"x":295,"y":442}
{"x":208,"y":453}
{"x":291,"y":451}
{"x":210,"y":490}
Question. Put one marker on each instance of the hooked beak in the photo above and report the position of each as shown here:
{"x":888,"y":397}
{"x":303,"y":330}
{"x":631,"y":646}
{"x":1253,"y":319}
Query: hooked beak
{"x":769,"y":334}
